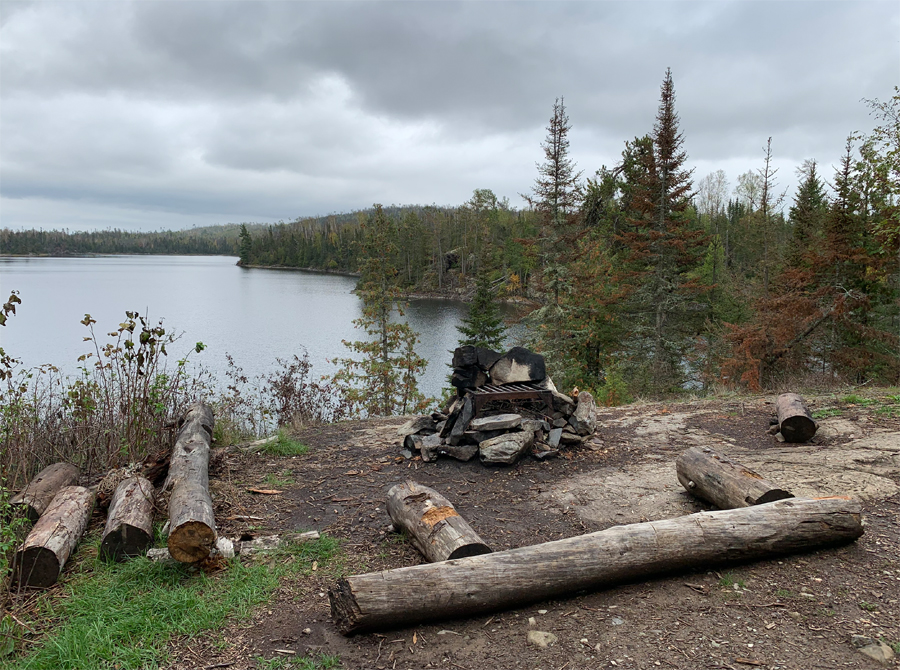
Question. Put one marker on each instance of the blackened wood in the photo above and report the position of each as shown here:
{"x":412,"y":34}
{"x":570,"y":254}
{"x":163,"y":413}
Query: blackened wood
{"x":129,"y":526}
{"x":714,"y":477}
{"x":469,"y":586}
{"x":794,"y":419}
{"x":41,"y":558}
{"x":36,"y":497}
{"x":434,"y":526}
{"x":192,"y":525}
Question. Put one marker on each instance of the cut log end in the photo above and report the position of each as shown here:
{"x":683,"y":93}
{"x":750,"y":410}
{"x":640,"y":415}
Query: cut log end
{"x":470,"y":550}
{"x":36,"y":566}
{"x":126,"y":541}
{"x":772,"y":496}
{"x":192,"y":541}
{"x":344,"y":608}
{"x":798,"y":429}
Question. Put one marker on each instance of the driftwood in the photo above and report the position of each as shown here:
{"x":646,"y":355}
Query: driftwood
{"x":192,"y":525}
{"x":504,"y":579}
{"x":794,"y":419}
{"x":434,"y":526}
{"x":40,"y":559}
{"x":129,"y":526}
{"x":715,"y":478}
{"x":37,"y":496}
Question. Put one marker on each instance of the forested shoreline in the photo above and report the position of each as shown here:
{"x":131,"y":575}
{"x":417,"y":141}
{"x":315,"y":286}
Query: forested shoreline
{"x":646,"y":281}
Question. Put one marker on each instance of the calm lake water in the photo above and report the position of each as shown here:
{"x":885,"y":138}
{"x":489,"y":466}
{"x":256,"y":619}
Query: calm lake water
{"x":255,"y":315}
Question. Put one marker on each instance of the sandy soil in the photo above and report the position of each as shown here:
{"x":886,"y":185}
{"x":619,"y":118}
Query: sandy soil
{"x":798,"y":612}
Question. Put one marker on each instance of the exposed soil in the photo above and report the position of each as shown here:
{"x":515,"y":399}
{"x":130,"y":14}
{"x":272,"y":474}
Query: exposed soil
{"x":796,"y":612}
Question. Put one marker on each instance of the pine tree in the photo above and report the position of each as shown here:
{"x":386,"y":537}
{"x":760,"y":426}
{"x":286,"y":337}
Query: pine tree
{"x":246,"y":245}
{"x":483,"y":326}
{"x":382,"y":381}
{"x":807,"y":214}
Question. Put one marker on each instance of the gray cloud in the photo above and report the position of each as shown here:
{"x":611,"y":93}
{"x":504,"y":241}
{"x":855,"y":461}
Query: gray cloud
{"x":211,"y":112}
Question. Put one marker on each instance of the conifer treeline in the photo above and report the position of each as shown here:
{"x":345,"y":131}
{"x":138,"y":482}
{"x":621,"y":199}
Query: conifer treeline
{"x":216,"y":240}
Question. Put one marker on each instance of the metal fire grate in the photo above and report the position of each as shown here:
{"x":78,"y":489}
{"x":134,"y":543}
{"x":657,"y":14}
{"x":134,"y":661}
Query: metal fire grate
{"x":520,"y":391}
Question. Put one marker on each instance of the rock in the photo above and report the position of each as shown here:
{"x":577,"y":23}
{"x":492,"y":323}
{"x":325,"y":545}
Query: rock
{"x":416,"y":425}
{"x":479,"y":436}
{"x":541,"y":639}
{"x":452,"y":415}
{"x":554,"y":438}
{"x":465,"y":357}
{"x":463,"y":452}
{"x":406,"y":453}
{"x":561,"y":422}
{"x":439,"y":427}
{"x":562,"y":403}
{"x":225,"y":547}
{"x":570,"y":438}
{"x":617,"y":621}
{"x":518,"y":365}
{"x":874,"y":649}
{"x":506,"y":449}
{"x":462,"y":420}
{"x":584,"y":419}
{"x":497,"y":422}
{"x":532,"y":621}
{"x":542,"y":453}
{"x":413,"y":442}
{"x":487,"y":357}
{"x":429,"y":447}
{"x":532,"y":425}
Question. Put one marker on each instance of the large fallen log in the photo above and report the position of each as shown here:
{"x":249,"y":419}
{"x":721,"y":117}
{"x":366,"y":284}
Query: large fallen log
{"x":714,"y":477}
{"x":40,"y":491}
{"x":491,"y":582}
{"x":40,"y":559}
{"x":129,"y":526}
{"x":192,"y":525}
{"x":794,"y":419}
{"x":434,"y":526}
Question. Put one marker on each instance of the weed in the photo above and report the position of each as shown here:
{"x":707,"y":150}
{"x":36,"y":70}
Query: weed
{"x":728,"y":581}
{"x":784,"y":593}
{"x":279,"y":481}
{"x":322,"y":662}
{"x":868,"y":607}
{"x":284,"y":446}
{"x":854,"y":399}
{"x":895,"y":646}
{"x":826,"y":412}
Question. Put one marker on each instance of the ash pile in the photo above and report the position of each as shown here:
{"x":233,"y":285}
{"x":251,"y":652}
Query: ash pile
{"x":506,"y":407}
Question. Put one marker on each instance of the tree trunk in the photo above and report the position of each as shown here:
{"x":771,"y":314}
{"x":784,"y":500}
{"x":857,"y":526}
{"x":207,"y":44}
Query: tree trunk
{"x":37,"y":496}
{"x":715,"y":478}
{"x":794,"y":420}
{"x":434,"y":526}
{"x":504,"y":579}
{"x":192,"y":525}
{"x":129,"y":526}
{"x":40,"y":559}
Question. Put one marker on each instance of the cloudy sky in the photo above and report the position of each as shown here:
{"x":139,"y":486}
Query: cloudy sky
{"x":165,"y":114}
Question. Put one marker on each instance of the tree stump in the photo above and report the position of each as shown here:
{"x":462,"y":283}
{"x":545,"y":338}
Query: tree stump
{"x":37,"y":496}
{"x":504,"y":579}
{"x":715,"y":478}
{"x":129,"y":526}
{"x":794,"y":419}
{"x":41,"y":558}
{"x":434,"y":526}
{"x":192,"y":525}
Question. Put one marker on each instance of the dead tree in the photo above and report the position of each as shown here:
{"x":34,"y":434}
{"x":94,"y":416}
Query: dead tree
{"x":794,"y":419}
{"x":434,"y":526}
{"x":40,"y":559}
{"x":129,"y":526}
{"x":504,"y":579}
{"x":715,"y":478}
{"x":192,"y":525}
{"x":36,"y":497}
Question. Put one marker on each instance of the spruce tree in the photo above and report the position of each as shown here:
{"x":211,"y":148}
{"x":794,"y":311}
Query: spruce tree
{"x":807,"y":215}
{"x":483,"y":326}
{"x":246,"y":245}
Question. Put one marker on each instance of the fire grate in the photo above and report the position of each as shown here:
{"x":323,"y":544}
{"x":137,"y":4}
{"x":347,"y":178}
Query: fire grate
{"x":517,"y":391}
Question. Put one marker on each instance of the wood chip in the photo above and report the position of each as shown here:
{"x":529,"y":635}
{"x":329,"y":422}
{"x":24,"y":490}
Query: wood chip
{"x":265,"y":492}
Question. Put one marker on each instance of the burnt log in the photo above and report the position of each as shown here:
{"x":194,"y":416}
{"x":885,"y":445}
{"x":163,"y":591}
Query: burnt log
{"x":504,"y":579}
{"x":41,"y":558}
{"x":40,"y":491}
{"x":714,"y":477}
{"x":434,"y":526}
{"x":129,"y":526}
{"x":192,"y":525}
{"x":794,"y":419}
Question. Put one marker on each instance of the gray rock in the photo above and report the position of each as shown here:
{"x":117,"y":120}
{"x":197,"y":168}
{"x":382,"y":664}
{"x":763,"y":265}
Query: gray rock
{"x":570,"y":438}
{"x":541,"y":453}
{"x":541,"y":639}
{"x":463,"y":452}
{"x":406,"y":453}
{"x":874,"y":649}
{"x":584,"y":420}
{"x":416,"y":425}
{"x":497,"y":422}
{"x":462,"y":420}
{"x":430,"y":447}
{"x":561,"y":422}
{"x":487,"y":357}
{"x":412,"y":442}
{"x":479,"y":436}
{"x":518,"y":365}
{"x":506,"y":449}
{"x":617,"y":621}
{"x":532,"y":425}
{"x":555,"y":435}
{"x":431,"y":441}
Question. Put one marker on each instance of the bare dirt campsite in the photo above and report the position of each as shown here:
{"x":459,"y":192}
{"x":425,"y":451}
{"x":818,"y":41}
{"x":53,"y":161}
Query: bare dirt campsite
{"x":799,"y":611}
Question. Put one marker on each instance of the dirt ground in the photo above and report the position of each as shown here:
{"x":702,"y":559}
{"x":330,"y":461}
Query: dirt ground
{"x":797,"y":612}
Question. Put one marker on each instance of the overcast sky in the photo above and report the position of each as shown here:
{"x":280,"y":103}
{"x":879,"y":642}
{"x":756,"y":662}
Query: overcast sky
{"x":165,"y":114}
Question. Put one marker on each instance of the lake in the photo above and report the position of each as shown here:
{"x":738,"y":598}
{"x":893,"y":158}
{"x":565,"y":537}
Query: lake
{"x":255,"y":315}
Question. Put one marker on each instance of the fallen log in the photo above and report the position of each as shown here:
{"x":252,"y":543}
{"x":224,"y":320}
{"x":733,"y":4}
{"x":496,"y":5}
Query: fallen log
{"x":40,"y":491}
{"x":41,"y":558}
{"x":794,"y":419}
{"x":714,"y":477}
{"x":434,"y":526}
{"x":504,"y":579}
{"x":129,"y":526}
{"x":192,"y":524}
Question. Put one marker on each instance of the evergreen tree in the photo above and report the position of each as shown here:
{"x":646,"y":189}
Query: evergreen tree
{"x":807,"y":214}
{"x":246,"y":245}
{"x":382,"y":381}
{"x":483,"y":326}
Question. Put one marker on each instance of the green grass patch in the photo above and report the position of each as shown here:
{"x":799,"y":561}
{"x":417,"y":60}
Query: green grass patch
{"x":784,"y":593}
{"x":854,"y":399}
{"x":826,"y":412}
{"x":728,"y":581}
{"x":321,"y":662}
{"x":868,"y":607}
{"x":284,"y":446}
{"x":122,"y":616}
{"x":286,"y":478}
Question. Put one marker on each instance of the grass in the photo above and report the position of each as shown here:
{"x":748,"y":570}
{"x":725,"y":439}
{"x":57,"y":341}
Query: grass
{"x":322,"y":662}
{"x":284,"y":446}
{"x":123,"y":615}
{"x":826,"y":413}
{"x":868,"y":607}
{"x":728,"y":581}
{"x":286,"y":478}
{"x":784,"y":593}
